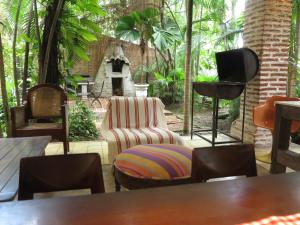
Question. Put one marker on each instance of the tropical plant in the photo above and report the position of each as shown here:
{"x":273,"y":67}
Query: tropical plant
{"x":4,"y":109}
{"x":168,"y":87}
{"x":139,"y":26}
{"x":82,"y":126}
{"x":73,"y":32}
{"x":145,"y":27}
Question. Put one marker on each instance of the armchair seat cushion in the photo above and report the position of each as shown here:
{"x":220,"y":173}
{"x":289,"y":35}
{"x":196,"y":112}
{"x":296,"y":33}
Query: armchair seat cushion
{"x":123,"y":138}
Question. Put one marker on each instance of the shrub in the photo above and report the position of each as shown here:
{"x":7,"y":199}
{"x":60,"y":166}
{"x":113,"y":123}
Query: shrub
{"x":234,"y":109}
{"x":82,"y":126}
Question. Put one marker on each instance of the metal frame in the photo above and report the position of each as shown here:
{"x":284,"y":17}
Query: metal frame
{"x":215,"y":129}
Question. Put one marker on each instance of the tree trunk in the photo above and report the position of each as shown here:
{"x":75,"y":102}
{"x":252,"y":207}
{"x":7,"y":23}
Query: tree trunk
{"x":49,"y":51}
{"x":162,"y":15}
{"x":4,"y":91}
{"x":15,"y":70}
{"x":293,"y":66}
{"x":38,"y":36}
{"x":26,"y":57}
{"x":199,"y":44}
{"x":142,"y":49}
{"x":187,"y":81}
{"x":147,"y":63}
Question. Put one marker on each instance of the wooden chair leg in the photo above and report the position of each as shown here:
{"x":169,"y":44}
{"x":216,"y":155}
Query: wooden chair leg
{"x":117,"y":186}
{"x":66,"y":147}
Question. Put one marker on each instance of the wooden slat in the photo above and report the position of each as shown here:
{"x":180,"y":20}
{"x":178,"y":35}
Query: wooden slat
{"x":15,"y":149}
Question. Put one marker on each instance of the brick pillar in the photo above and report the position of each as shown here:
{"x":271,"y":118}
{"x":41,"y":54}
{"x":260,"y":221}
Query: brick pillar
{"x":267,"y":32}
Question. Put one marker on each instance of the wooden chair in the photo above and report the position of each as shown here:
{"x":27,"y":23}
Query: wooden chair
{"x":96,"y":93}
{"x":44,"y":113}
{"x":264,"y":117}
{"x":223,"y":161}
{"x":264,"y":114}
{"x":60,"y":173}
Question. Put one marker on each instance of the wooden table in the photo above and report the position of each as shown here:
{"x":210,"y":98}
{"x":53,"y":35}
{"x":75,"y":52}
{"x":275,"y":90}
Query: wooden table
{"x":282,"y":157}
{"x":11,"y":151}
{"x":225,"y":202}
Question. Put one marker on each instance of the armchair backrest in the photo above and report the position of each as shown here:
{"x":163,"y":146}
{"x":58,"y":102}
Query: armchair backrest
{"x":45,"y":101}
{"x":134,"y":112}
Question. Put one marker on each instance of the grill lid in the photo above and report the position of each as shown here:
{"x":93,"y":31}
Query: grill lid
{"x":239,"y":65}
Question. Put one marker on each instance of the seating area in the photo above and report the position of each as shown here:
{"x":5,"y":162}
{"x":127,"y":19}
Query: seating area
{"x":149,"y":112}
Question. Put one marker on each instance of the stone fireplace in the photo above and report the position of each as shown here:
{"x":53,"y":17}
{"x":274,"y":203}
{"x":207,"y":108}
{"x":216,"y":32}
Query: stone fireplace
{"x":115,"y":72}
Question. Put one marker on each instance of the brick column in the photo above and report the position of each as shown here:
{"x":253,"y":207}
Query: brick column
{"x":267,"y":32}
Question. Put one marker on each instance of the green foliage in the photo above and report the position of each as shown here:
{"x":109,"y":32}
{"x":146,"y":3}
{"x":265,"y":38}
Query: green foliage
{"x":138,"y":25}
{"x":78,"y":29}
{"x":168,"y":87}
{"x":11,"y":102}
{"x":234,"y":109}
{"x":203,"y":78}
{"x":82,"y":126}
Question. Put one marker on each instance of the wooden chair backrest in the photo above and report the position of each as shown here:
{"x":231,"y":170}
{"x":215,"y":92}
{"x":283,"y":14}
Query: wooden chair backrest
{"x":223,"y":161}
{"x":60,"y":173}
{"x":45,"y":101}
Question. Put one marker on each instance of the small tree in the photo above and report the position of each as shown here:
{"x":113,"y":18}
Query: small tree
{"x":139,"y":26}
{"x":188,"y":75}
{"x":82,"y":126}
{"x":145,"y":27}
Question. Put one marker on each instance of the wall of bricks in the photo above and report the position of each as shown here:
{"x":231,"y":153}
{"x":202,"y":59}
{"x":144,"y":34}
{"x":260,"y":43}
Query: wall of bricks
{"x":97,"y":51}
{"x":267,"y":31}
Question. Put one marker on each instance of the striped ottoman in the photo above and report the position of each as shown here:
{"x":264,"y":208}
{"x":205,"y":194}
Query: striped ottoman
{"x":153,"y":165}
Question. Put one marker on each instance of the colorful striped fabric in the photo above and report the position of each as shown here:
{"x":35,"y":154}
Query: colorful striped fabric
{"x":160,"y":162}
{"x":131,"y":121}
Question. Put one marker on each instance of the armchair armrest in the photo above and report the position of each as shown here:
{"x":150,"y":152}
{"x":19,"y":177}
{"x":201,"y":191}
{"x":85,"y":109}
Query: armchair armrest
{"x":18,"y":117}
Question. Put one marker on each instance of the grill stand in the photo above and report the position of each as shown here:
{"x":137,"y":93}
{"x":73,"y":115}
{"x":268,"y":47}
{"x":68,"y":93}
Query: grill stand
{"x":215,"y":129}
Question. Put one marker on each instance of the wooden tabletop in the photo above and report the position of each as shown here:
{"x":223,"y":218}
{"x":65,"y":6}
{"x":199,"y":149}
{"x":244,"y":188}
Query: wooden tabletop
{"x":11,"y":151}
{"x":224,"y":202}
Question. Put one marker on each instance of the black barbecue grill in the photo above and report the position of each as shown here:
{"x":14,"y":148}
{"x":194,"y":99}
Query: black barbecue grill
{"x":235,"y":69}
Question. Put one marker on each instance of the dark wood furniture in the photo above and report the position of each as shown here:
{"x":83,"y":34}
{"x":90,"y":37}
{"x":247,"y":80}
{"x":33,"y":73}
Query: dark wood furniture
{"x":223,"y":161}
{"x":224,"y":202}
{"x":11,"y":151}
{"x":282,"y":157}
{"x":264,"y":114}
{"x":44,"y":113}
{"x":235,"y":68}
{"x":60,"y":173}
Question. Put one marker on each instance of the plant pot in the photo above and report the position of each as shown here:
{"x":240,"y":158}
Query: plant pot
{"x":141,"y":90}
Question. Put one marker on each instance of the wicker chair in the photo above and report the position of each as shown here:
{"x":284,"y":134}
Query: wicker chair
{"x":44,"y":113}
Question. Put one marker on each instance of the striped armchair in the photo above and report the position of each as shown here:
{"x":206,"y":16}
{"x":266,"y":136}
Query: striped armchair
{"x":131,"y":121}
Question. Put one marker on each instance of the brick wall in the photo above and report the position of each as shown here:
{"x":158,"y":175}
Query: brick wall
{"x":97,"y":51}
{"x":267,"y":31}
{"x":134,"y":5}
